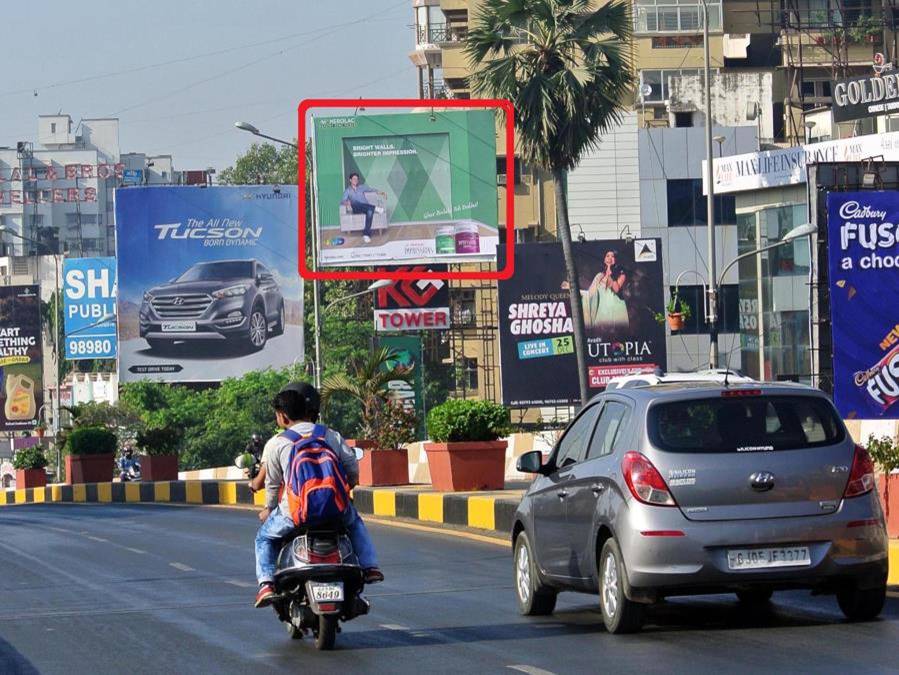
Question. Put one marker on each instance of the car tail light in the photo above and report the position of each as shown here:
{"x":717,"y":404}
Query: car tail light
{"x":735,"y":393}
{"x":644,"y":481}
{"x":861,"y":477}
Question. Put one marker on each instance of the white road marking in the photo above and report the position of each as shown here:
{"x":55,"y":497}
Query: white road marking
{"x":239,"y":584}
{"x":394,"y":626}
{"x":531,"y":670}
{"x":134,"y":550}
{"x":182,"y":567}
{"x":98,"y":539}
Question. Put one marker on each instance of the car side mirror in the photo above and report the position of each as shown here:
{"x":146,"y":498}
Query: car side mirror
{"x":359,"y":453}
{"x":530,"y":462}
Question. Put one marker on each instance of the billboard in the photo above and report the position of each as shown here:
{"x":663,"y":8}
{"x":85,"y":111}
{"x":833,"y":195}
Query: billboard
{"x":856,"y":98}
{"x":21,"y":357}
{"x":621,"y":291}
{"x":89,"y":290}
{"x":208,"y":282}
{"x":410,"y":305}
{"x":411,"y":187}
{"x":864,"y":280}
{"x":406,"y":352}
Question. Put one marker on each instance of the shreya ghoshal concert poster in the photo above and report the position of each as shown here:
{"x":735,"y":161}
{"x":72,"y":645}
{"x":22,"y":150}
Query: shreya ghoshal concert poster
{"x":863,"y":236}
{"x":621,"y":292}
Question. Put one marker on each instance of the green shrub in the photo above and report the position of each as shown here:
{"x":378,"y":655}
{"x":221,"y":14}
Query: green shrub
{"x":394,"y":426}
{"x":159,"y":440}
{"x":91,"y":441}
{"x":461,"y":420}
{"x":30,"y":458}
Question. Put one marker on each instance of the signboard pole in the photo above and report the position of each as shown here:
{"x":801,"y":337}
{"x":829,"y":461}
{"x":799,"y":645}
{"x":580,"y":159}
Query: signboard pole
{"x":316,"y":300}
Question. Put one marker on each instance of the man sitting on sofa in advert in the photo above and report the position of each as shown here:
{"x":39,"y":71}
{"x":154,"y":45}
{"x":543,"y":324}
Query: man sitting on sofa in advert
{"x":356,"y":201}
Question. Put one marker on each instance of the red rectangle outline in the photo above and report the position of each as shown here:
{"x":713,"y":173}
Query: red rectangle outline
{"x":305,"y":105}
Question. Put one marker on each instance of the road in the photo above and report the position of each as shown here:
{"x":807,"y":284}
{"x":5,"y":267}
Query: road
{"x":149,"y":589}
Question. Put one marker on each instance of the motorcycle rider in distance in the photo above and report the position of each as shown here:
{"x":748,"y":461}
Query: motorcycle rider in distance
{"x":127,"y":461}
{"x":297,"y":407}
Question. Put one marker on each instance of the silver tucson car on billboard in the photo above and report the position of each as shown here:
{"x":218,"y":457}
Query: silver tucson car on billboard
{"x":692,"y":488}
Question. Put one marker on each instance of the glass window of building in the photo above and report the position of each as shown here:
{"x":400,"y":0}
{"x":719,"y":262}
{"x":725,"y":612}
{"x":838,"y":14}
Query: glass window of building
{"x":674,"y":16}
{"x":658,"y":82}
{"x":728,"y":309}
{"x":687,"y":204}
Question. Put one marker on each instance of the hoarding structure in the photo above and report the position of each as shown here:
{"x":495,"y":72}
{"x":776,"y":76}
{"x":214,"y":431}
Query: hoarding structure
{"x":208,"y":282}
{"x":863,"y":236}
{"x":411,"y":187}
{"x":21,"y":358}
{"x":411,"y":305}
{"x":621,"y":292}
{"x":89,"y":307}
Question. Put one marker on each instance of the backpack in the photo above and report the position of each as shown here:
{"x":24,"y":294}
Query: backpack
{"x":315,"y":481}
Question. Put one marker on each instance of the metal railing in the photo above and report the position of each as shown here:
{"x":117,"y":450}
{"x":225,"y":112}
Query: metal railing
{"x":436,"y":90}
{"x":439,"y":33}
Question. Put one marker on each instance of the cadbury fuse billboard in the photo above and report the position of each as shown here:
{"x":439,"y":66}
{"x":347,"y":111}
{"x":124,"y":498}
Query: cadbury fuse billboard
{"x":863,"y":235}
{"x":621,"y":291}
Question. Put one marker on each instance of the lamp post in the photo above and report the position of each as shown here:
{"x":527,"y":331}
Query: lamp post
{"x":316,"y":299}
{"x":380,"y":283}
{"x":710,"y":204}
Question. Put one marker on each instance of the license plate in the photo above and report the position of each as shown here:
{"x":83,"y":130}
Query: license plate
{"x":764,"y":558}
{"x":326,"y":592}
{"x":179,"y":326}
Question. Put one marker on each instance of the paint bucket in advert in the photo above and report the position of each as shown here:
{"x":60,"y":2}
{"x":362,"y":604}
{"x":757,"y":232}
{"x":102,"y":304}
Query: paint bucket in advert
{"x":467,"y":237}
{"x":445,"y":242}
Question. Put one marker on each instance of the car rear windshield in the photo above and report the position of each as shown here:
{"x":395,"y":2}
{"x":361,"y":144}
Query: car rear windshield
{"x":749,"y":424}
{"x":237,"y":269}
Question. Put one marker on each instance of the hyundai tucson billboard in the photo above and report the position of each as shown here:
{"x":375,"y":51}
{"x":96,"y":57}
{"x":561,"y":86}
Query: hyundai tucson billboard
{"x":208,"y":283}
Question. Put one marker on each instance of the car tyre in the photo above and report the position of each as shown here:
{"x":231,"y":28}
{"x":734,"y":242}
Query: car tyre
{"x":619,"y":614}
{"x":861,"y":605}
{"x":279,"y":325}
{"x":757,"y":597}
{"x":257,"y":333}
{"x":534,"y":598}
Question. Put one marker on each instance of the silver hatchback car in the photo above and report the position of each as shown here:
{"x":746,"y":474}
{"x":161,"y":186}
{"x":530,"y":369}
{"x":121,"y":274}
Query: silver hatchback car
{"x":693,"y":488}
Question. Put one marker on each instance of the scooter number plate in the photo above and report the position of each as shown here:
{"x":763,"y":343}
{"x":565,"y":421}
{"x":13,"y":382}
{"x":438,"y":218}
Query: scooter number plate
{"x":326,"y":592}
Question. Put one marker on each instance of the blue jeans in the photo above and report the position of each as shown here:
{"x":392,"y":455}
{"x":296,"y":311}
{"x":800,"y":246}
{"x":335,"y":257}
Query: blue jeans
{"x":277,"y":526}
{"x":369,"y":212}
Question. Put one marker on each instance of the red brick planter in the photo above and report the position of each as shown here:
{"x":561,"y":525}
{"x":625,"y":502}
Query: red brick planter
{"x":89,"y":468}
{"x":158,"y":467}
{"x":891,"y":510}
{"x":30,"y":478}
{"x":461,"y":467}
{"x":384,"y":467}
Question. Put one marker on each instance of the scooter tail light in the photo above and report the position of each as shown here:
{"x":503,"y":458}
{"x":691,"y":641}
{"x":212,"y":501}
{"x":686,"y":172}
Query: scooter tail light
{"x":861,"y":477}
{"x":644,"y":481}
{"x":319,"y":559}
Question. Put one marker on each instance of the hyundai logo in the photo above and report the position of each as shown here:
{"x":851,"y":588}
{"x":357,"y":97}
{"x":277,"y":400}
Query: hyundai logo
{"x":178,"y":301}
{"x":761,"y":481}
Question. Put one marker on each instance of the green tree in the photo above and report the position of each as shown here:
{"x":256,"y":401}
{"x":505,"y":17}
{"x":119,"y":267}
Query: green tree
{"x":263,"y":164}
{"x":565,"y":68}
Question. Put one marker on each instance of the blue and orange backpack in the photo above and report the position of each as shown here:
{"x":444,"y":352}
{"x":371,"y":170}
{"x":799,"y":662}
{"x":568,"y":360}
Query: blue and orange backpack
{"x":316,"y":483}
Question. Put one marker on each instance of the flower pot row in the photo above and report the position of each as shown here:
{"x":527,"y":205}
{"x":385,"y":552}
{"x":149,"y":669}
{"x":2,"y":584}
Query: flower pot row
{"x":100,"y":468}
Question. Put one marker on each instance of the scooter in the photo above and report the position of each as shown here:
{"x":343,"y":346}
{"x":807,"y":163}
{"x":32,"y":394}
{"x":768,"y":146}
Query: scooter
{"x":319,"y":583}
{"x":130,"y":472}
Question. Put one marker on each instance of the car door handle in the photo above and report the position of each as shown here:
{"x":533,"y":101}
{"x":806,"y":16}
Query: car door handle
{"x":562,"y":494}
{"x":597,"y":488}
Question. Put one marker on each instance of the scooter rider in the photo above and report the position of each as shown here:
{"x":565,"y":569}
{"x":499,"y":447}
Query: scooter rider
{"x":297,"y":407}
{"x":127,"y":461}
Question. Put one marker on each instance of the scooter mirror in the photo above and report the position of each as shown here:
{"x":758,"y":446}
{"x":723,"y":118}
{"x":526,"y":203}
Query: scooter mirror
{"x":359,"y":453}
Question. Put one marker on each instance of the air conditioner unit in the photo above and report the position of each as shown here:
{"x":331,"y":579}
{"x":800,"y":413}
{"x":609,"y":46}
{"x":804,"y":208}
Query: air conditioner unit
{"x":501,"y":179}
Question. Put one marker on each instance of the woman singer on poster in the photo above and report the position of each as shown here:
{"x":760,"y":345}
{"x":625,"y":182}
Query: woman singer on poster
{"x":603,"y":306}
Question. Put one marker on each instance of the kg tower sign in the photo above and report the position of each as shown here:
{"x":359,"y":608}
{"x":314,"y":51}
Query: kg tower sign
{"x":413,"y":304}
{"x":208,"y":282}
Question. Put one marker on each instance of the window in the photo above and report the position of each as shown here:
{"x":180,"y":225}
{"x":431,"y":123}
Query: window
{"x":683,"y":119}
{"x":687,"y":204}
{"x":573,"y":443}
{"x":658,"y":82}
{"x":501,"y":170}
{"x":727,"y":425}
{"x":728,"y":309}
{"x":471,"y":373}
{"x":52,"y":127}
{"x":788,"y":260}
{"x":674,"y":16}
{"x":610,"y":421}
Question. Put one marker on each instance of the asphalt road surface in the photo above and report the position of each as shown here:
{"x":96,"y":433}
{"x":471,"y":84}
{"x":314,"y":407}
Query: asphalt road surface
{"x":164,"y":589}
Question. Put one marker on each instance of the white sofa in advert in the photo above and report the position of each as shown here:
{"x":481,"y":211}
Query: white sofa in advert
{"x":355,"y":222}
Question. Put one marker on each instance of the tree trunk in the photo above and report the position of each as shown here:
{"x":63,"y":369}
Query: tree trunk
{"x":563,"y":228}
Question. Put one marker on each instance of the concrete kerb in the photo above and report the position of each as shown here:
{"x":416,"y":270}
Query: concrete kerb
{"x":489,"y":512}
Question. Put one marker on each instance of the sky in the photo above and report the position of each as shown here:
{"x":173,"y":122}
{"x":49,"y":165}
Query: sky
{"x":194,"y":67}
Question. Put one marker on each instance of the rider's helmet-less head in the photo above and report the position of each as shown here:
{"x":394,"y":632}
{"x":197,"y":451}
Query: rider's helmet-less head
{"x":307,"y":397}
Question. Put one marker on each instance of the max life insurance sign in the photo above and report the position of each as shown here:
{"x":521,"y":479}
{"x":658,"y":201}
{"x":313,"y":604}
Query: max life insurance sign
{"x":410,"y":305}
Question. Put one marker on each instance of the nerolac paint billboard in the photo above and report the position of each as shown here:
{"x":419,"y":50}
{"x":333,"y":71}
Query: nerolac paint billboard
{"x":208,"y":282}
{"x":621,"y":292}
{"x":407,"y":187}
{"x":21,"y":358}
{"x":863,"y":250}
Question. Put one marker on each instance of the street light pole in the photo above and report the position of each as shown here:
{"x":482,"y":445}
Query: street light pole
{"x":710,"y":189}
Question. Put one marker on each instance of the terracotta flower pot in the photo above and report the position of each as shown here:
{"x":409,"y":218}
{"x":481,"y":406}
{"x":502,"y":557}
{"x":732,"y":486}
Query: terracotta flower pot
{"x":675,"y":320}
{"x":39,"y":432}
{"x":158,"y":467}
{"x":384,"y":467}
{"x":89,"y":468}
{"x":462,"y":467}
{"x":31,"y":478}
{"x":891,"y":507}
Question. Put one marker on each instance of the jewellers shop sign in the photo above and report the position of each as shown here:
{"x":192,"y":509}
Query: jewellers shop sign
{"x":775,"y":168}
{"x":413,"y":304}
{"x":868,"y":96}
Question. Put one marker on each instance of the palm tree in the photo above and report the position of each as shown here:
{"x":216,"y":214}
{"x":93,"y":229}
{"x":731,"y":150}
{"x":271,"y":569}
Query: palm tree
{"x":566,"y":69}
{"x":366,"y":380}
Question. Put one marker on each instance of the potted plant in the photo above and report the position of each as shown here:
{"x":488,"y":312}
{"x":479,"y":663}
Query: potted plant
{"x":465,"y":452}
{"x":367,"y":381}
{"x":91,"y":457}
{"x":40,"y":430}
{"x":884,"y":452}
{"x":387,"y":462}
{"x":677,"y":312}
{"x":29,"y":464}
{"x":160,"y":459}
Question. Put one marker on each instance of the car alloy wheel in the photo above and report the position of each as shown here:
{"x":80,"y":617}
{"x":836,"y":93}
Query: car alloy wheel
{"x":523,"y":574}
{"x":258,"y":329}
{"x":610,"y":585}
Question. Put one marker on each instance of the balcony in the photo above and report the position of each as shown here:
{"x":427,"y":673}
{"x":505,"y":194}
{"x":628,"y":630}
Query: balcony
{"x":439,"y":34}
{"x":437,"y":89}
